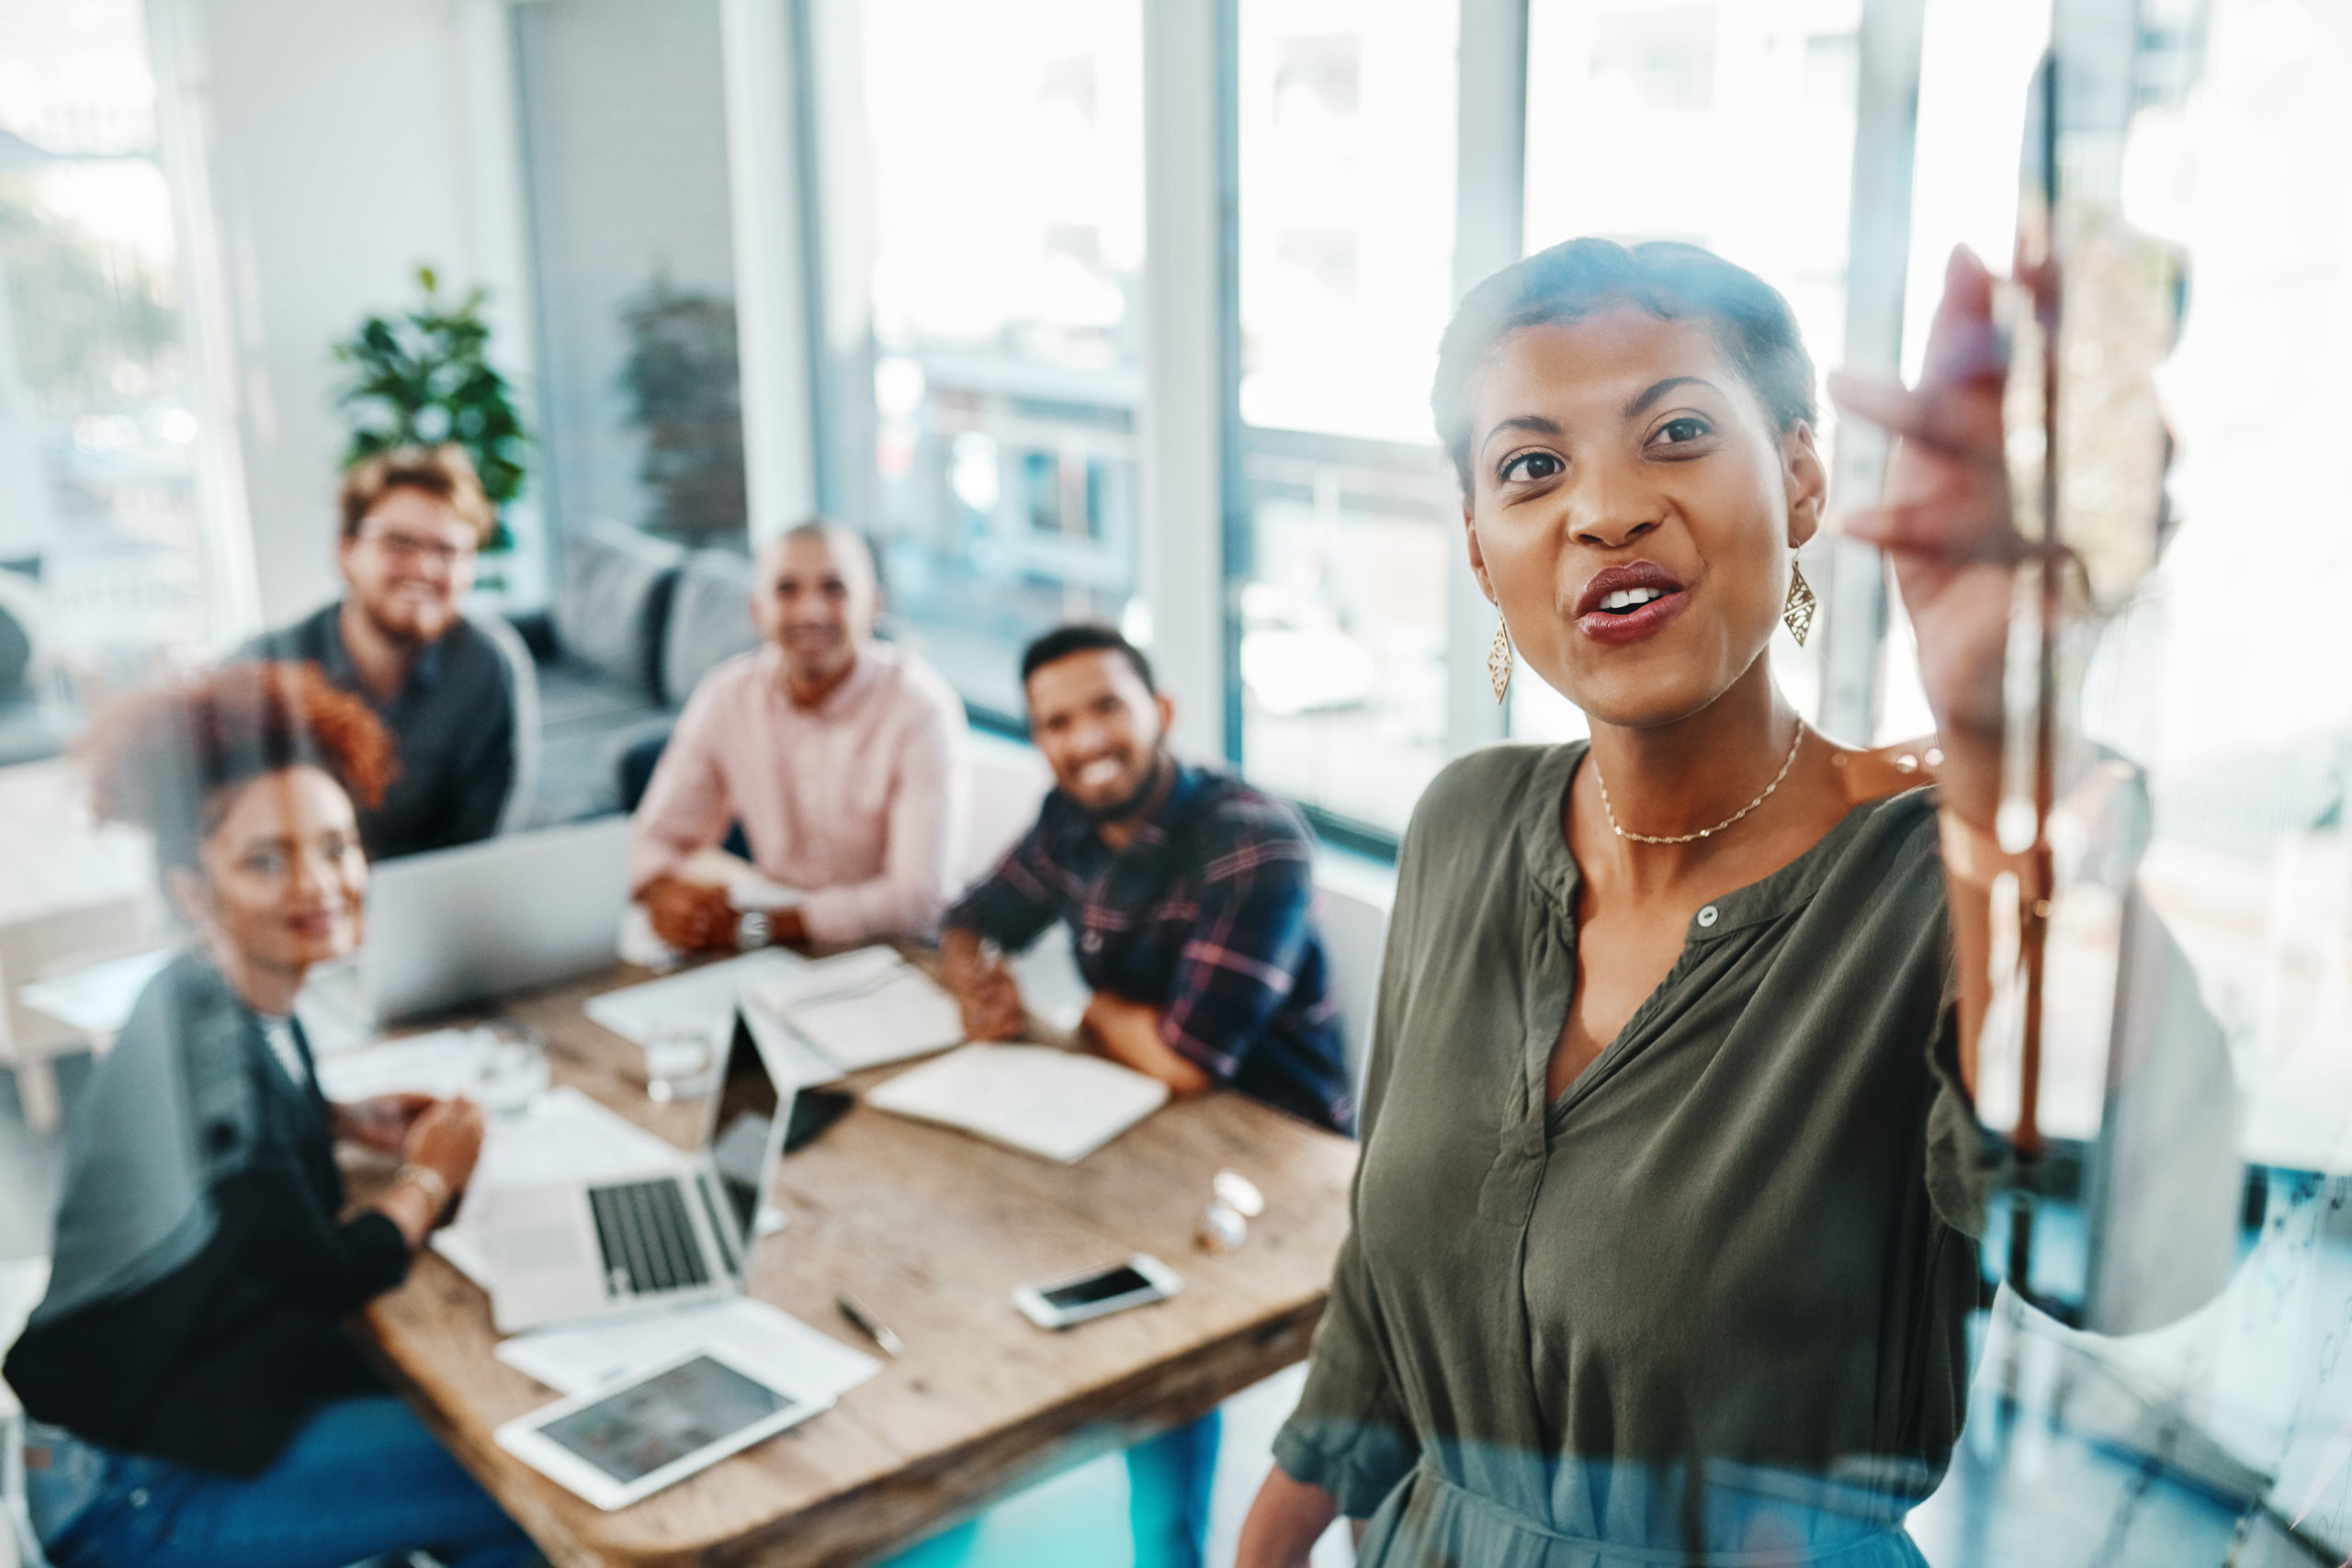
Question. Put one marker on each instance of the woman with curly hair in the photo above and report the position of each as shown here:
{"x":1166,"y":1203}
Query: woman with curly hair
{"x":196,"y":1400}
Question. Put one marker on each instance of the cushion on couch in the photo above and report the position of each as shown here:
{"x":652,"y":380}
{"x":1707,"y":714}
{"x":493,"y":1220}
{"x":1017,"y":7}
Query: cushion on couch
{"x":19,"y":625}
{"x":709,"y":622}
{"x":614,"y":600}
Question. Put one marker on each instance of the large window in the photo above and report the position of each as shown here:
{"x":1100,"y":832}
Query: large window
{"x":1005,"y":151}
{"x":624,"y":114}
{"x":1347,"y":165}
{"x":1728,"y":125}
{"x":100,"y":512}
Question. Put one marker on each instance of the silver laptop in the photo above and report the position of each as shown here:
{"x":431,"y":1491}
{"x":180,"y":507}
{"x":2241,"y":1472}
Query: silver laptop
{"x":453,"y":926}
{"x":565,"y":1251}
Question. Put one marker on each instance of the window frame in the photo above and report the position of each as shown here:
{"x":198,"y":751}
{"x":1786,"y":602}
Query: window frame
{"x":1192,"y":444}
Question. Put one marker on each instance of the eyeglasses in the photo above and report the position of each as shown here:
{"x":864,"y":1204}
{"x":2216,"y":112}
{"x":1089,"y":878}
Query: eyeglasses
{"x":409,"y":547}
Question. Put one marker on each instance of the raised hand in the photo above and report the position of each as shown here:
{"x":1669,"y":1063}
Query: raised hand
{"x":1945,"y":523}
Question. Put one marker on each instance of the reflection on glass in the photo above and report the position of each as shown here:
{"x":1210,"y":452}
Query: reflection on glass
{"x":2236,"y":709}
{"x":640,"y":405}
{"x":1347,"y":127}
{"x":1006,"y":181}
{"x":100,"y":532}
{"x":1728,"y":126}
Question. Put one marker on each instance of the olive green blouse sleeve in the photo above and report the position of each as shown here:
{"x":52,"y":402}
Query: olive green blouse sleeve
{"x":1351,"y":1434}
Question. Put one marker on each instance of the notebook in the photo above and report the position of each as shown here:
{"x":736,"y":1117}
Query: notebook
{"x":1054,"y":1103}
{"x":703,"y":997}
{"x":863,"y":1008}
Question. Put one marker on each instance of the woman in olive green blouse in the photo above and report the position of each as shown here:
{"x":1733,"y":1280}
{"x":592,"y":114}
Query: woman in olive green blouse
{"x":1665,"y":1231}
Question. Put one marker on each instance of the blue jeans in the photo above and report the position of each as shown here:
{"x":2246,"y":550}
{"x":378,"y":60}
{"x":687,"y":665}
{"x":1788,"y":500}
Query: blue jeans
{"x":1168,"y":1482}
{"x":363,"y":1479}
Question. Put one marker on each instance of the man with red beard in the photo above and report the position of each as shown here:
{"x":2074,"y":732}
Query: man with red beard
{"x":444,"y":684}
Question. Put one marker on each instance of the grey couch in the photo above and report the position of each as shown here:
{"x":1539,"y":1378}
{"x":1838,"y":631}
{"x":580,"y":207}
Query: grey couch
{"x":635,"y":623}
{"x":34,"y":722}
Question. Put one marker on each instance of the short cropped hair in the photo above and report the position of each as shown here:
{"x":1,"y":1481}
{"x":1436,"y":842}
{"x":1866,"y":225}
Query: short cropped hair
{"x":164,"y":759}
{"x":1583,"y":277}
{"x":1085,"y":636}
{"x":443,"y":472}
{"x":836,"y":533}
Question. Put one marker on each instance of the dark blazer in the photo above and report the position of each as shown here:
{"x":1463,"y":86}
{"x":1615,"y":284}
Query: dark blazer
{"x":200,"y":1270}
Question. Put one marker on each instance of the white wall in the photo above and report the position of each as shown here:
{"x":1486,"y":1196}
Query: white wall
{"x":347,"y":143}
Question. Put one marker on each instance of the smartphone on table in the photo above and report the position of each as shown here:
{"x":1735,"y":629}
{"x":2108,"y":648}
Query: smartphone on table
{"x":1058,"y":1304}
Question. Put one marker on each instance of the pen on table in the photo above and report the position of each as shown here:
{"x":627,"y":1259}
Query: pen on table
{"x":867,"y":1323}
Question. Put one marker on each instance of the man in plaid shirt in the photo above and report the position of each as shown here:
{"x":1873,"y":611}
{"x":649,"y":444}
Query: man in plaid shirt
{"x":1189,"y":894}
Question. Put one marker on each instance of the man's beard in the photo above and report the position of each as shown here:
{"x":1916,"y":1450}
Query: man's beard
{"x":1135,"y":800}
{"x":421,"y":625}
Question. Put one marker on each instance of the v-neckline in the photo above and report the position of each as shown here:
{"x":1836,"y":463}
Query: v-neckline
{"x":1551,"y":862}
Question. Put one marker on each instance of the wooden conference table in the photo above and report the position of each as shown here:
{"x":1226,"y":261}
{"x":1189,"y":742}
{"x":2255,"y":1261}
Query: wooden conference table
{"x":932,"y":1229}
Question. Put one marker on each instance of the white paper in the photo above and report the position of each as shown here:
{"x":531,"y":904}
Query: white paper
{"x":444,"y":1063}
{"x":749,"y":890}
{"x":772,"y":1343}
{"x":635,"y":943}
{"x":564,"y":1136}
{"x":1051,"y":986}
{"x":98,"y":998}
{"x":700,"y":999}
{"x":1056,"y":1103}
{"x":863,"y":1008}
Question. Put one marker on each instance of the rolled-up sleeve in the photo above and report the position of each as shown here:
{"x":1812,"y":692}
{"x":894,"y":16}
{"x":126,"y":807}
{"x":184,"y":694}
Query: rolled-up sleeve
{"x":928,"y":805}
{"x":1350,"y":1435}
{"x":1016,"y":901}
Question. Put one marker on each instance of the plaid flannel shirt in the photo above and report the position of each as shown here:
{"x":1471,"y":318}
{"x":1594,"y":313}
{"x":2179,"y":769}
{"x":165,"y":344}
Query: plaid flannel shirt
{"x":1206,"y":916}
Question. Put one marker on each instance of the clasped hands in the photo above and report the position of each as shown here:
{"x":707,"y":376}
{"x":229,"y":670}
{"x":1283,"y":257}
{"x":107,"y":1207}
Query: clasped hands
{"x":442,"y":1136}
{"x":695,"y":916}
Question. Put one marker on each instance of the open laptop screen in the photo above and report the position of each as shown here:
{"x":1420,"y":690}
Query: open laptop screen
{"x":744,"y":1130}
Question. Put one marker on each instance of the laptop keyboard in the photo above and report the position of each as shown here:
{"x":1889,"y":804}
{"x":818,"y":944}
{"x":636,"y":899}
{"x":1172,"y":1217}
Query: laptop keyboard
{"x":647,"y":1238}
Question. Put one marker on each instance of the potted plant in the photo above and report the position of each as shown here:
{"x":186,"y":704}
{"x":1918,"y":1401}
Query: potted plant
{"x":424,"y":377}
{"x":684,"y":387}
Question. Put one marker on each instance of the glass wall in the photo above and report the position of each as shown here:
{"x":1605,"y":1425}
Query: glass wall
{"x":1347,"y":197}
{"x":1004,"y":151}
{"x":1728,"y":125}
{"x":102,"y":540}
{"x":624,"y":110}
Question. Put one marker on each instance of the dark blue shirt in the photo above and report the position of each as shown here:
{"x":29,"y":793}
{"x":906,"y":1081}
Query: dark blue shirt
{"x":1207,"y":916}
{"x":453,"y":729}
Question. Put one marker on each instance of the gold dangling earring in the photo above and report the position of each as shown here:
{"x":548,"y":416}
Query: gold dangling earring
{"x":1499,"y":660}
{"x":1798,"y":611}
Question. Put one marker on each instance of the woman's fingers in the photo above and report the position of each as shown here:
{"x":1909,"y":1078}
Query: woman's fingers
{"x":1933,"y":528}
{"x":1961,"y":422}
{"x":1963,"y":345}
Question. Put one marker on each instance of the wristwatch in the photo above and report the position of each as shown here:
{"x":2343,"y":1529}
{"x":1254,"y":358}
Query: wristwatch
{"x":427,"y":1180}
{"x":753,"y":929}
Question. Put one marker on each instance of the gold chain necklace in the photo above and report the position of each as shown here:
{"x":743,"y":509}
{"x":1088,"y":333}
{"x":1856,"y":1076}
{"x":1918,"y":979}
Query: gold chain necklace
{"x":1704,"y":832}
